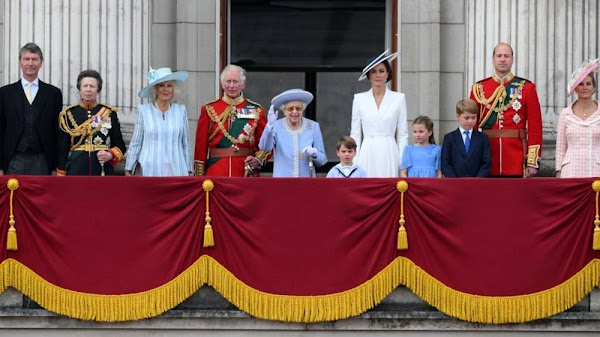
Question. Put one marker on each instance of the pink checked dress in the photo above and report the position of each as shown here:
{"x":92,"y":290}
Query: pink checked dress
{"x":578,"y":144}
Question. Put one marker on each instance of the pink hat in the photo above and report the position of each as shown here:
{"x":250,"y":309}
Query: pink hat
{"x":578,"y":75}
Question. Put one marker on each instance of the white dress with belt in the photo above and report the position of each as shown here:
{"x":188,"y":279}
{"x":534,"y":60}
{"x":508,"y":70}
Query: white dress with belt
{"x":380,"y":133}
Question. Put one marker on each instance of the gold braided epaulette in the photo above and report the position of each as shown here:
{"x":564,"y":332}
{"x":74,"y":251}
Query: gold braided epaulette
{"x":485,"y":79}
{"x":64,"y":111}
{"x":211,"y":102}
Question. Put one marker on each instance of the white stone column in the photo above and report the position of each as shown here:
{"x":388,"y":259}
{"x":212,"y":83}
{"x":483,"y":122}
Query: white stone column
{"x":197,"y":46}
{"x":452,"y":63}
{"x":550,"y":39}
{"x":110,"y":36}
{"x":185,"y":37}
{"x":420,"y":62}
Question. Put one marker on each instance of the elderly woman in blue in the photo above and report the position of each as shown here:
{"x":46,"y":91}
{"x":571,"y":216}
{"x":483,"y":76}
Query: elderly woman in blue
{"x":294,"y":140}
{"x":160,"y":145}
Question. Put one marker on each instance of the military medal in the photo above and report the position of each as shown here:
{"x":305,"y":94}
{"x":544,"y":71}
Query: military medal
{"x":246,"y":113}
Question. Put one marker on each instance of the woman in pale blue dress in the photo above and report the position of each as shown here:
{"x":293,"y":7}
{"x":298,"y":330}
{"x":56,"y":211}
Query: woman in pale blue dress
{"x":160,"y":145}
{"x":296,"y":141}
{"x":423,"y":159}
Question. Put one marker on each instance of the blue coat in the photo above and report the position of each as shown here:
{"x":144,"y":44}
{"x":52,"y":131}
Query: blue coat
{"x":287,"y":145}
{"x":456,"y":162}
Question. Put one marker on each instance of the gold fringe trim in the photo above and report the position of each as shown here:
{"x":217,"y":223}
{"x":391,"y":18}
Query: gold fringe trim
{"x":103,"y":308}
{"x":501,"y":309}
{"x":473,"y":308}
{"x":206,"y":270}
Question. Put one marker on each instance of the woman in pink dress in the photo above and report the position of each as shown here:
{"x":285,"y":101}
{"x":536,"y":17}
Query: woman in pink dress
{"x":578,"y":131}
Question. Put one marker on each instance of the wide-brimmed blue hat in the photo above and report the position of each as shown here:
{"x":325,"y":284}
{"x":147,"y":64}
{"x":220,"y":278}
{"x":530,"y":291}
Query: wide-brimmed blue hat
{"x":371,"y":63}
{"x":292,"y":95}
{"x":156,"y":76}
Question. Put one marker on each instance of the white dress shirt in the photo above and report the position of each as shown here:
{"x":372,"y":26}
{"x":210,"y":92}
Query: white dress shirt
{"x":35,"y":87}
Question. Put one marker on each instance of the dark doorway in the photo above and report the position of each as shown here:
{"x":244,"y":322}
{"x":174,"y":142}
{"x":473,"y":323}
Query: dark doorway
{"x":319,"y":46}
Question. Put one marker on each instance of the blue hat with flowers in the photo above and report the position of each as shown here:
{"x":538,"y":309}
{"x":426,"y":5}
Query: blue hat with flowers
{"x":156,"y":76}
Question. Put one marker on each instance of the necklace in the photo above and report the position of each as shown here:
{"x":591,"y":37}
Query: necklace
{"x":587,"y":110}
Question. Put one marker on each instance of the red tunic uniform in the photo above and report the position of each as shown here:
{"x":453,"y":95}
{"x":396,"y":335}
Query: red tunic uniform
{"x":228,"y":131}
{"x":510,"y":114}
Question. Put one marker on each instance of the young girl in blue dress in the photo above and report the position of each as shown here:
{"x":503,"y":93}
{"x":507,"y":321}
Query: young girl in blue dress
{"x":423,"y":159}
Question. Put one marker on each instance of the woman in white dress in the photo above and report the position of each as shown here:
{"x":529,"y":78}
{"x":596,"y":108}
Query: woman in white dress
{"x":379,"y":123}
{"x":160,"y":145}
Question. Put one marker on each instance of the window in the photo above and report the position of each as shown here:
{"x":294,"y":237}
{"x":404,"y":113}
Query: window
{"x":319,"y":46}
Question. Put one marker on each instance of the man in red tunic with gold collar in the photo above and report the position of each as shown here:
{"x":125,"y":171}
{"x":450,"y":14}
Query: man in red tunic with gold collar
{"x":510,"y":114}
{"x":229,"y":130}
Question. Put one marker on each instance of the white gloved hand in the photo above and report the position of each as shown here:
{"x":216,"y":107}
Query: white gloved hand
{"x":310,"y":151}
{"x":271,"y":116}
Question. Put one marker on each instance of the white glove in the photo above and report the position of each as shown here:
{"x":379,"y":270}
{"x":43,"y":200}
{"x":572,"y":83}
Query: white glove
{"x":271,"y":116}
{"x":310,"y":151}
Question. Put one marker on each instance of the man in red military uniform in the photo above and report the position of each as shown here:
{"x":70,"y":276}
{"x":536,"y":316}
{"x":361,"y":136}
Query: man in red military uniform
{"x":510,"y":114}
{"x":229,"y":130}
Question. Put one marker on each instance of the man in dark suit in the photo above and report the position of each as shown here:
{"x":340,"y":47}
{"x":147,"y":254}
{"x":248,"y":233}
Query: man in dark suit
{"x":29,"y":111}
{"x":466,"y":151}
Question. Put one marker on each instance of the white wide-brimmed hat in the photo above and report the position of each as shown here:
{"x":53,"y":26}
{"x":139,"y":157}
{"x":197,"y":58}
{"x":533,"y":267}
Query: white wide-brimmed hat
{"x":156,"y":76}
{"x":580,"y":74}
{"x":371,"y":63}
{"x":292,"y":95}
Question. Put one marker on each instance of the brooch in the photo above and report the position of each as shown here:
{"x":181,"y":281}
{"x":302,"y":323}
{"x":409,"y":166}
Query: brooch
{"x":516,"y":105}
{"x":516,"y":118}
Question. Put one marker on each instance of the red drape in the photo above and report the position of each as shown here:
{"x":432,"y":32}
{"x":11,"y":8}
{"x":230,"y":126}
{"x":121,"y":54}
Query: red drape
{"x":302,"y":237}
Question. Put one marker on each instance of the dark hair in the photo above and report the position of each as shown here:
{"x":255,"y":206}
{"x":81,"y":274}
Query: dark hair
{"x":388,"y":67}
{"x":503,"y":44}
{"x":32,"y":48}
{"x":347,"y":141}
{"x":467,"y":105}
{"x":428,"y":123}
{"x":92,"y":74}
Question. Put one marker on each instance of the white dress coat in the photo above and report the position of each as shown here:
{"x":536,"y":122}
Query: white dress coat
{"x":380,"y":134}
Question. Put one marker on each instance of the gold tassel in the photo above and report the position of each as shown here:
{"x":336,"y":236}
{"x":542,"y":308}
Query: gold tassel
{"x":596,"y":244}
{"x":596,"y":238}
{"x":402,"y":187}
{"x":11,"y":240}
{"x":209,"y":240}
{"x":402,"y":238}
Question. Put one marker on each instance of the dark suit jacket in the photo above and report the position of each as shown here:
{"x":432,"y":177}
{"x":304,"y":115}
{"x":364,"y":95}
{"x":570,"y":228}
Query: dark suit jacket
{"x":48,"y":103}
{"x":457,"y":163}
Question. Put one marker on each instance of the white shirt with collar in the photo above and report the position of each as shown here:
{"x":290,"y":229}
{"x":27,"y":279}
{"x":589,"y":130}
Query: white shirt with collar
{"x":34,"y":88}
{"x":462,"y":133}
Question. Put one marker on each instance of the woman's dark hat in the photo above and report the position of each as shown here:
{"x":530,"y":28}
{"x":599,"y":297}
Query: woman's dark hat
{"x":386,"y":56}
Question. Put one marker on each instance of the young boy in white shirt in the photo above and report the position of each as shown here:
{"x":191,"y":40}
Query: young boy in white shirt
{"x":346,"y":150}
